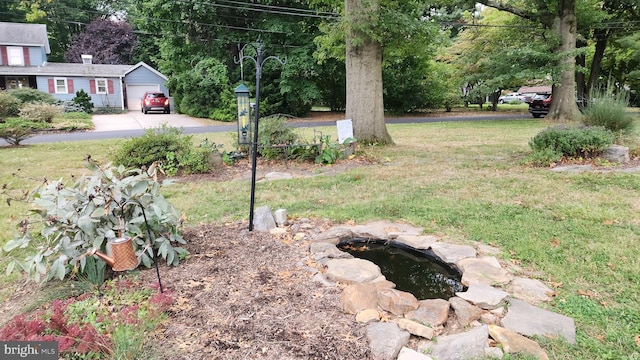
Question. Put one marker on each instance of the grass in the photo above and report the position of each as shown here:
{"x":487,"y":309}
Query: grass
{"x":463,"y":181}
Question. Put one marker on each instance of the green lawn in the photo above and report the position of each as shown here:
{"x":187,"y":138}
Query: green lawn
{"x":463,"y":181}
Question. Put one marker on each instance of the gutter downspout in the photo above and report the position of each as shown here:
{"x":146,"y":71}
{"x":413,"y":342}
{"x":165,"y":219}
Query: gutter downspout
{"x":122,"y":85}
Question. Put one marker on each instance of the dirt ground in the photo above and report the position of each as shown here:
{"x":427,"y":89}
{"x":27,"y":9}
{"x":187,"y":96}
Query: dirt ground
{"x":250,"y":295}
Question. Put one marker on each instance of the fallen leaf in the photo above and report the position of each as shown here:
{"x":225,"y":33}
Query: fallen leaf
{"x":608,"y":222}
{"x":604,"y":304}
{"x":637,"y":339}
{"x":555,"y":243}
{"x":555,"y":284}
{"x":588,"y":294}
{"x":599,"y":337}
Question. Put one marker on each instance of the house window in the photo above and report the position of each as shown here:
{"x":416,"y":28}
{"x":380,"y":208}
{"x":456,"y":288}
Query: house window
{"x":61,"y":85}
{"x":17,"y":82}
{"x":101,"y":86}
{"x":15,"y":56}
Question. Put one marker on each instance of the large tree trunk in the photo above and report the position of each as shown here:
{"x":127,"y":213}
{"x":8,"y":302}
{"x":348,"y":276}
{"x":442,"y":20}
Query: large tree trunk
{"x":602,"y":36}
{"x":365,"y":105}
{"x":563,"y":105}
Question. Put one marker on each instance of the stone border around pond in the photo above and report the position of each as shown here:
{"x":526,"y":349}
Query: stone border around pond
{"x":497,"y":308}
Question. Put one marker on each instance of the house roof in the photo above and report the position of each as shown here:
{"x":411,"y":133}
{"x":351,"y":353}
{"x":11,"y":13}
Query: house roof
{"x":144,"y":65}
{"x":68,"y":69}
{"x":534,"y":89}
{"x":19,"y":34}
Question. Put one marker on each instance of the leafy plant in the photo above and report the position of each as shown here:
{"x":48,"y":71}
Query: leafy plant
{"x":96,"y":208}
{"x":39,"y":111}
{"x":572,"y":141}
{"x":274,"y":136}
{"x":15,"y":130}
{"x":152,"y":147}
{"x":28,"y":95}
{"x":330,"y":151}
{"x":83,"y":100}
{"x":9,"y":105}
{"x":609,"y":110}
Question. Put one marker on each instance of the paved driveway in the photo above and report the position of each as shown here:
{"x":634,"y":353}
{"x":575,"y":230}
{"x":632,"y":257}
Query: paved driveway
{"x":134,"y":120}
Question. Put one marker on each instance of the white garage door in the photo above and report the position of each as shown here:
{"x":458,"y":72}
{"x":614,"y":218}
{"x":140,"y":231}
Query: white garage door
{"x":135,"y":92}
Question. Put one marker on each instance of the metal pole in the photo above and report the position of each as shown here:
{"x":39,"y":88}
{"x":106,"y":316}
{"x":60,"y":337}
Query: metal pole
{"x":254,"y":153}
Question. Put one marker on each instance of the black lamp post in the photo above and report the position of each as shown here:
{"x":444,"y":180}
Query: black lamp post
{"x":258,"y":61}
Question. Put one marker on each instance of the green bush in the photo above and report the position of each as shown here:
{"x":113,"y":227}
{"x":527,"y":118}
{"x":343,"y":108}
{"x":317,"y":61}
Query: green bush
{"x":562,"y":140}
{"x":273,"y":136}
{"x":168,"y":147}
{"x":609,"y":111}
{"x":41,"y":112}
{"x":28,"y":95}
{"x":69,"y":221}
{"x":15,"y":130}
{"x":83,"y":100}
{"x":9,"y":105}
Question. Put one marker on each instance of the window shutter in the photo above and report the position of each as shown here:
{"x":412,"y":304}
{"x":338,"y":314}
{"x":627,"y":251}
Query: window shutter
{"x":27,"y":59}
{"x":52,"y":88}
{"x":70,"y":86}
{"x":3,"y":54}
{"x":92,"y":86}
{"x":110,"y":86}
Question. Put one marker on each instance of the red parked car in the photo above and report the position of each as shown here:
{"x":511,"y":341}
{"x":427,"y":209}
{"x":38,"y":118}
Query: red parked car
{"x":155,"y":101}
{"x":539,"y":105}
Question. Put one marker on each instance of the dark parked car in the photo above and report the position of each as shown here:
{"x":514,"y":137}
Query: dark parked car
{"x":155,"y":101}
{"x":539,"y":105}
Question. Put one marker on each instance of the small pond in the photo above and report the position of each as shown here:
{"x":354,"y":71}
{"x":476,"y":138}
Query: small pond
{"x":419,"y":272}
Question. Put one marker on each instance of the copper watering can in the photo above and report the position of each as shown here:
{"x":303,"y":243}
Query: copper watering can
{"x":123,"y":256}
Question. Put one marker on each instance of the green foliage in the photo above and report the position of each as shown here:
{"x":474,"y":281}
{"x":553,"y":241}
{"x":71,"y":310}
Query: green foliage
{"x":609,"y":111}
{"x":204,"y":91}
{"x":83,"y":100}
{"x":9,"y":105}
{"x":67,"y":222}
{"x":15,"y":130}
{"x":274,"y":136}
{"x":166,"y":146}
{"x":330,"y":151}
{"x":29,"y":95}
{"x":571,"y":141}
{"x":40,"y":112}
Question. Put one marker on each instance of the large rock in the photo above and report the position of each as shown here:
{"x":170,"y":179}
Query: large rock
{"x":420,"y":242}
{"x":484,"y":296}
{"x":397,"y":302}
{"x":432,"y":311}
{"x":465,"y":312}
{"x":485,"y":270}
{"x":463,"y":346}
{"x":616,"y":153}
{"x":385,"y":230}
{"x":514,"y":343}
{"x":322,"y":249}
{"x":530,"y":290}
{"x":386,"y":340}
{"x":335,"y":235}
{"x":530,"y":320}
{"x":451,"y":253}
{"x":415,"y":328}
{"x":352,"y":270}
{"x":357,"y":297}
{"x":263,"y":219}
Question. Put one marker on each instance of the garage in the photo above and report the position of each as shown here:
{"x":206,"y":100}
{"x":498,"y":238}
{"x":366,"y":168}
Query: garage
{"x":135,"y":93}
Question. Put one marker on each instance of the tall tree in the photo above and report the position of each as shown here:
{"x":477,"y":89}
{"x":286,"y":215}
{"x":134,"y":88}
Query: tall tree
{"x":365,"y":105}
{"x":560,"y":17}
{"x":108,"y":41}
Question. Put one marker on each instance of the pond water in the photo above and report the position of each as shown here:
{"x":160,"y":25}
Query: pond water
{"x":419,"y":272}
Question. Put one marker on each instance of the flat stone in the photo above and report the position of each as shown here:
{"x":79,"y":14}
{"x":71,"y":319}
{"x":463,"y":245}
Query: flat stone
{"x":465,"y":312}
{"x":451,"y":253}
{"x":263,"y":219}
{"x":530,"y":290}
{"x":484,"y":296}
{"x":420,"y":242}
{"x":415,"y":328}
{"x":463,"y":346}
{"x":277,"y":176}
{"x":335,"y":235}
{"x":386,"y":340}
{"x":385,"y":230}
{"x":530,"y":320}
{"x":352,"y":270}
{"x":319,"y":278}
{"x":397,"y":302}
{"x":324,"y":249}
{"x":616,"y":153}
{"x":410,"y":354}
{"x":573,"y":168}
{"x":484,"y":271}
{"x":493,"y":353}
{"x":357,"y":297}
{"x":432,"y":311}
{"x":367,"y":315}
{"x":485,"y":249}
{"x":514,"y":343}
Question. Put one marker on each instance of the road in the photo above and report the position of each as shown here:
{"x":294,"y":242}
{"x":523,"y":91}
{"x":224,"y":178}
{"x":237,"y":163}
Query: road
{"x":134,"y":124}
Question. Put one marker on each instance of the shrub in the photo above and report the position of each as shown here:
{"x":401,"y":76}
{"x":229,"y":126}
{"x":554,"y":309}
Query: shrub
{"x":152,"y":146}
{"x":29,"y":95}
{"x":609,"y":111}
{"x":83,"y":100}
{"x":273,"y":131}
{"x":40,"y":112}
{"x":584,"y":141}
{"x":15,"y":130}
{"x":9,"y":105}
{"x":71,"y":107}
{"x":110,"y":203}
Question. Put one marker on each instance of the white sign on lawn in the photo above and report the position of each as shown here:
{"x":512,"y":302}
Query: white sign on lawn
{"x":345,"y":130}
